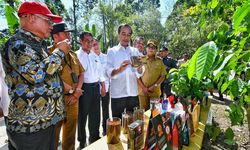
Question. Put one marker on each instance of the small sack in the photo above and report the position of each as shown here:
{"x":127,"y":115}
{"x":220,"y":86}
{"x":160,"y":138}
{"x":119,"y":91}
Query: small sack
{"x":74,"y":77}
{"x":195,"y":117}
{"x":185,"y":134}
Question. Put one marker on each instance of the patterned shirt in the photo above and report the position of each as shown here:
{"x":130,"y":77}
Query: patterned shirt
{"x":35,"y":88}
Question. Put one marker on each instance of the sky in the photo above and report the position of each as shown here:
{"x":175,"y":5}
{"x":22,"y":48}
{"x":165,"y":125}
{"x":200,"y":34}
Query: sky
{"x":165,"y":11}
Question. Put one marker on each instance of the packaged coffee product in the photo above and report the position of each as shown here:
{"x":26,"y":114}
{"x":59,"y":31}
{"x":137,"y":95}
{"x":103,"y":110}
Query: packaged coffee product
{"x":135,"y":135}
{"x":138,"y":114}
{"x":127,"y":119}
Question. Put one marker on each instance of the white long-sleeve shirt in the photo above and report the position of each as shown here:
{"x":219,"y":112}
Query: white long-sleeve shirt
{"x":103,"y":60}
{"x":4,"y":96}
{"x":92,"y":66}
{"x":124,"y":83}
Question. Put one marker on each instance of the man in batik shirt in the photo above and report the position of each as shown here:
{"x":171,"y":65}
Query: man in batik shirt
{"x":35,"y":88}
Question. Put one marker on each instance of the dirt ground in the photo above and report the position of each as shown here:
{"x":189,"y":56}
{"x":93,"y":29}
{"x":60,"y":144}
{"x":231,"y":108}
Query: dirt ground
{"x":220,"y":116}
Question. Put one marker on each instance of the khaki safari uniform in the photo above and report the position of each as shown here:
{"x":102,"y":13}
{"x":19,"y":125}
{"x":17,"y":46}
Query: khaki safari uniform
{"x":70,"y":64}
{"x":154,"y":69}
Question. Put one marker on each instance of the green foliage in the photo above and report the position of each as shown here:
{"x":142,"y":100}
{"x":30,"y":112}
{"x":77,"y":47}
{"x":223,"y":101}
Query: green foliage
{"x":240,"y":14}
{"x":86,"y":28}
{"x":93,"y":30}
{"x":11,"y":18}
{"x":236,"y":114}
{"x":192,"y":65}
{"x":229,"y":136}
{"x":213,"y":132}
{"x":227,"y":63}
{"x":202,"y":60}
{"x":183,"y":33}
{"x":3,"y":39}
{"x":188,"y":88}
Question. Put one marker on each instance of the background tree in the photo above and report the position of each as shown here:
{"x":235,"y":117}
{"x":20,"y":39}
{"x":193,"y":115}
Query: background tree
{"x":184,"y":35}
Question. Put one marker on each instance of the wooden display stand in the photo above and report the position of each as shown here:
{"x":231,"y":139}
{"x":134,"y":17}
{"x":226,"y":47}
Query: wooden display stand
{"x":195,"y":141}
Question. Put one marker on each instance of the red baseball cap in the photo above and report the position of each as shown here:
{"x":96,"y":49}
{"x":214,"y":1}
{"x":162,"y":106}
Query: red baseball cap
{"x":31,"y":7}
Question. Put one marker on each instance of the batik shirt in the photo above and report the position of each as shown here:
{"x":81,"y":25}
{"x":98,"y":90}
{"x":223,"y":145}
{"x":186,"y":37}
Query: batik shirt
{"x":35,"y":88}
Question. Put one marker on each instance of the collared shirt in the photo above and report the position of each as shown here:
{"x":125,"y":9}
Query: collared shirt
{"x":124,"y":83}
{"x":71,"y":64}
{"x":92,"y":66}
{"x":35,"y":88}
{"x":154,"y":69}
{"x":103,"y":60}
{"x":169,"y":63}
{"x":4,"y":96}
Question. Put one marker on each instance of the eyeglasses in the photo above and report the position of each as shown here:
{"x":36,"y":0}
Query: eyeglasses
{"x":50,"y":22}
{"x":152,"y":47}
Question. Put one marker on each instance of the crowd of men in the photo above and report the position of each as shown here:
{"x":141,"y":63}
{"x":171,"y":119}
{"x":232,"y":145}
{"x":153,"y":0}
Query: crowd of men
{"x":53,"y":88}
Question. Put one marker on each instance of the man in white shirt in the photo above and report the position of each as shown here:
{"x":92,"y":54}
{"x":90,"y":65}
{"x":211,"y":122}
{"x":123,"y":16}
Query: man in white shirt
{"x":4,"y":96}
{"x":105,"y":100}
{"x":89,"y":102}
{"x":123,"y":85}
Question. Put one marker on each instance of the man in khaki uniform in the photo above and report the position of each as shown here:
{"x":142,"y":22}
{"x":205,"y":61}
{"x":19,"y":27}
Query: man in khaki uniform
{"x":72,"y":76}
{"x":153,"y":76}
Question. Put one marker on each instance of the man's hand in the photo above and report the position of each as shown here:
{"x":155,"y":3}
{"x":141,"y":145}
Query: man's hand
{"x":151,"y":88}
{"x":67,"y":87}
{"x":1,"y":112}
{"x":72,"y":100}
{"x":139,"y":69}
{"x":145,"y":91}
{"x":64,"y":46}
{"x":123,"y":65}
{"x":77,"y":93}
{"x":103,"y":92}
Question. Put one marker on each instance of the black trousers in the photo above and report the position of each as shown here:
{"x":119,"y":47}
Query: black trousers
{"x":105,"y":111}
{"x":44,"y":139}
{"x":89,"y":106}
{"x":119,"y":104}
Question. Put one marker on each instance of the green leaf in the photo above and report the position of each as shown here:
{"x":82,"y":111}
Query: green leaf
{"x":192,"y":65}
{"x":240,"y":14}
{"x":229,"y":134}
{"x":229,"y":142}
{"x":214,"y":3}
{"x":205,"y":59}
{"x":216,"y":133}
{"x":236,"y":114}
{"x":234,"y":88}
{"x":11,"y":18}
{"x":224,"y":87}
{"x":93,"y":30}
{"x":86,"y":28}
{"x":223,"y":64}
{"x":247,"y":99}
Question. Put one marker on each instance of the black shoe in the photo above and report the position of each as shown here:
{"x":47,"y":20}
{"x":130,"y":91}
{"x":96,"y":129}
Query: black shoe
{"x":81,"y":146}
{"x":103,"y":133}
{"x":92,"y":140}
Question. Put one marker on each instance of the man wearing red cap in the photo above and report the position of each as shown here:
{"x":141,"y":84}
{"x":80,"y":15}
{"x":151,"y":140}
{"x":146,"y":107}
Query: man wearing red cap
{"x":35,"y":88}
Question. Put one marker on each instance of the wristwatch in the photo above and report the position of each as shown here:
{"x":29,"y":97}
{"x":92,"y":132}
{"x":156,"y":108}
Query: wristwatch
{"x":71,"y":91}
{"x":156,"y":85}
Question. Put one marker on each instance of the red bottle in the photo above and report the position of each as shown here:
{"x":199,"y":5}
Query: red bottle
{"x":175,"y":137}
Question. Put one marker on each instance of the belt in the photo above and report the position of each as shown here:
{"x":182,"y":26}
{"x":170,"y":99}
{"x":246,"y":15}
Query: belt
{"x":92,"y":84}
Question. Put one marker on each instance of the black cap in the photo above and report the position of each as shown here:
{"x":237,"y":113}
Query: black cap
{"x":60,"y":27}
{"x":164,"y":48}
